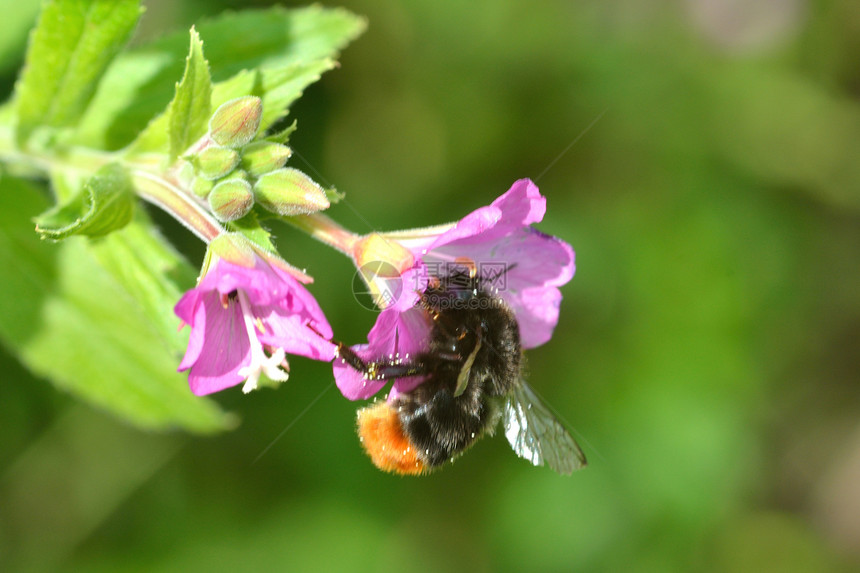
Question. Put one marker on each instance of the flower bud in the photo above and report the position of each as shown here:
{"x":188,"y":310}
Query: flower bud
{"x":201,"y":187}
{"x":216,"y":162}
{"x":231,"y":199}
{"x":263,"y":156}
{"x":236,"y":122}
{"x":289,"y":192}
{"x":376,"y":248}
{"x":185,"y":174}
{"x":233,"y":248}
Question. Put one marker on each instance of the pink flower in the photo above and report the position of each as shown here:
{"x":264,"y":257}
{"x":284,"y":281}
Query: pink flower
{"x":246,"y":314}
{"x":526,"y":266}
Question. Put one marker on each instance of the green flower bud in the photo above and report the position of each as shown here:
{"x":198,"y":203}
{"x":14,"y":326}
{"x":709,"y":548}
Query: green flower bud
{"x":290,"y":192}
{"x":236,"y":122}
{"x":233,"y":248}
{"x":185,"y":175}
{"x":239,"y":174}
{"x":231,"y":199}
{"x":201,"y":187}
{"x":263,"y":156}
{"x":216,"y":162}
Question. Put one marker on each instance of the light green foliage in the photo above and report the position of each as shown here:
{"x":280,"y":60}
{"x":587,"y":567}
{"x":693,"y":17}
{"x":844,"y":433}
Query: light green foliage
{"x":282,"y":86}
{"x":250,"y":226}
{"x":283,"y":136}
{"x":188,"y":112}
{"x":18,"y":18}
{"x":139,"y":84}
{"x":151,"y":272}
{"x":334,"y":196}
{"x":70,"y":49}
{"x":103,"y":326}
{"x":78,"y":319}
{"x":105,"y":204}
{"x":277,"y":87}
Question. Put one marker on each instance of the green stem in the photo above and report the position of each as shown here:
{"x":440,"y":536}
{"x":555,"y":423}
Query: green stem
{"x":177,"y":203}
{"x":326,"y":230}
{"x":159,"y":186}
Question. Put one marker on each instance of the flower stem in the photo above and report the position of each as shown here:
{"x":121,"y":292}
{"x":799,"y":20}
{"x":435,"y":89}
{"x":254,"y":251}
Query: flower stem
{"x":178,"y":204}
{"x":326,"y":230}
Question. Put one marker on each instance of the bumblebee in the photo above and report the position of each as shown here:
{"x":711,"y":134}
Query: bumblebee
{"x":473,"y":379}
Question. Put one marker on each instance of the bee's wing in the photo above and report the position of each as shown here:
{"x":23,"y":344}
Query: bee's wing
{"x":536,"y":435}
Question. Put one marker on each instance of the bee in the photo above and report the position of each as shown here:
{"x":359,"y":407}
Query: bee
{"x":473,"y":370}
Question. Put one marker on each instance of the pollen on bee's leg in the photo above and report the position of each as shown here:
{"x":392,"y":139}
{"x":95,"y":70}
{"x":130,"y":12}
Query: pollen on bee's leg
{"x":383,"y":439}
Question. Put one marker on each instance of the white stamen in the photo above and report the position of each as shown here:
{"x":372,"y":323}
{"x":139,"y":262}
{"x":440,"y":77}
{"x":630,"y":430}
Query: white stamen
{"x":260,"y":363}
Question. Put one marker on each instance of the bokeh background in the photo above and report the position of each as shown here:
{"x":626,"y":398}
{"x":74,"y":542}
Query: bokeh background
{"x":702,"y":157}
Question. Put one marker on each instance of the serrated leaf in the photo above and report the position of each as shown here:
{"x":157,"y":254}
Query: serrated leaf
{"x":278,"y":88}
{"x":69,"y":320}
{"x":139,"y":83}
{"x":151,"y":272}
{"x":245,"y":83}
{"x":188,"y":112}
{"x":105,"y":204}
{"x":69,"y":50}
{"x":282,"y":86}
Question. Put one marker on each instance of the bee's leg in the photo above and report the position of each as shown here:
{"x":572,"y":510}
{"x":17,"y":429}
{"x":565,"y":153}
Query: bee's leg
{"x":383,"y":369}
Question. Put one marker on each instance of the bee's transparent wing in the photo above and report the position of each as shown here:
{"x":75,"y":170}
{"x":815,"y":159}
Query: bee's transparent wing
{"x":536,"y":435}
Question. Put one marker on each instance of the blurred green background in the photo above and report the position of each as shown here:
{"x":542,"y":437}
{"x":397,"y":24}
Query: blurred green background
{"x":707,"y":352}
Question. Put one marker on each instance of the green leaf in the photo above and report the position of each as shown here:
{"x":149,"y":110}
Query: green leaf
{"x":69,"y":319}
{"x":151,"y":272}
{"x":188,"y":113}
{"x":105,"y":204}
{"x":250,"y":226}
{"x":282,"y":86}
{"x":334,"y":196}
{"x":278,"y":88}
{"x":18,"y":19}
{"x":283,"y":136}
{"x":139,"y":83}
{"x":69,"y":51}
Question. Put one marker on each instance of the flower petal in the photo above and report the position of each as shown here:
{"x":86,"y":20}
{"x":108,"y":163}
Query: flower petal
{"x":290,"y":332}
{"x":352,"y":383}
{"x":192,"y":313}
{"x":536,"y":310}
{"x":519,"y":264}
{"x":519,"y":207}
{"x":395,"y":335}
{"x":224,"y":346}
{"x":522,"y":204}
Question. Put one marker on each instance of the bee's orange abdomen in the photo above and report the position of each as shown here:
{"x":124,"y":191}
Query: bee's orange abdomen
{"x":383,"y":439}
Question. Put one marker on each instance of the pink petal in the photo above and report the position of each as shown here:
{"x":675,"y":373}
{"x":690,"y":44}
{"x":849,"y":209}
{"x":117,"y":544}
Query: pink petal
{"x":522,"y":204}
{"x":394,"y":334}
{"x":193,"y":314}
{"x":225,"y":347}
{"x":519,"y":207}
{"x":536,"y":310}
{"x":290,"y":332}
{"x":351,"y":382}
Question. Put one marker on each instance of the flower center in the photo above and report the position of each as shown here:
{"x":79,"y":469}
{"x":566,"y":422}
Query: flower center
{"x":260,"y":363}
